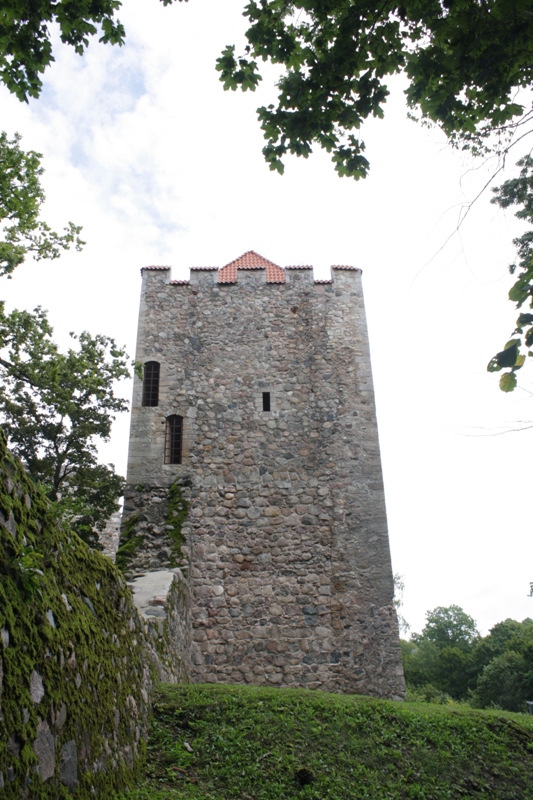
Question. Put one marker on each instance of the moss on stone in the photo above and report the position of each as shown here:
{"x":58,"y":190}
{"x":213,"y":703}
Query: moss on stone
{"x":71,"y":658}
{"x":129,"y":543}
{"x":178,"y":510}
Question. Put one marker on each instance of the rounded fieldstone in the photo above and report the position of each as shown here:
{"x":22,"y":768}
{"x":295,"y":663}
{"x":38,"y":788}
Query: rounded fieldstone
{"x":68,"y":772}
{"x":45,"y":750}
{"x":36,"y":687}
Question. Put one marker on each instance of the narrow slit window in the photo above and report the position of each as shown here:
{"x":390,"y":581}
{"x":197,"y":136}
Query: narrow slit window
{"x":151,"y":384}
{"x":173,"y":439}
{"x":266,"y":401}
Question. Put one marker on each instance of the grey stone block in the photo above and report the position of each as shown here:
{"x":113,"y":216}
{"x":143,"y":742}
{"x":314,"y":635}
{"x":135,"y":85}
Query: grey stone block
{"x":45,"y":750}
{"x":36,"y":687}
{"x":68,"y":771}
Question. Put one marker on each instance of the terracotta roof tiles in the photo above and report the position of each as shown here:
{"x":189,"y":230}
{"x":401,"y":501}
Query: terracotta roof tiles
{"x":251,"y":260}
{"x":342,"y":266}
{"x":299,"y":266}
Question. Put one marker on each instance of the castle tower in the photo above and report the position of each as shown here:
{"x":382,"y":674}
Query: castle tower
{"x":254,"y":465}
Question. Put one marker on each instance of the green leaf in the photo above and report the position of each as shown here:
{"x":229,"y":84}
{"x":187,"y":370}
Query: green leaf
{"x":508,"y":382}
{"x":493,"y":365}
{"x":508,"y":356}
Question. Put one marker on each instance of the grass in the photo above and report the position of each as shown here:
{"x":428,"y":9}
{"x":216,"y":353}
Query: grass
{"x":254,"y":743}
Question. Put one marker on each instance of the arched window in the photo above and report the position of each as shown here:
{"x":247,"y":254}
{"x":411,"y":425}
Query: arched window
{"x":173,"y":439}
{"x":151,"y":384}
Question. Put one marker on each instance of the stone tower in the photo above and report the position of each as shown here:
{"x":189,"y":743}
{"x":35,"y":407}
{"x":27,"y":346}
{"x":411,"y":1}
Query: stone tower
{"x":254,"y":466}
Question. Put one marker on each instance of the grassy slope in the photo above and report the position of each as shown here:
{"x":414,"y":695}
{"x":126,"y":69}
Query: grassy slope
{"x":252,"y":743}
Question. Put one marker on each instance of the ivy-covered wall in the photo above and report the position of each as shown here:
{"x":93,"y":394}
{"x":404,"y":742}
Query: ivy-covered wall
{"x":75,"y":676}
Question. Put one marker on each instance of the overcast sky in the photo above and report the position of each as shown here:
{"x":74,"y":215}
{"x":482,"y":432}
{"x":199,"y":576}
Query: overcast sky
{"x":143,"y":147}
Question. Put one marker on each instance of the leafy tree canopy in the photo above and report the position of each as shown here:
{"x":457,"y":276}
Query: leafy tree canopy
{"x":449,"y":660}
{"x":464,"y":61}
{"x":444,"y":670}
{"x":518,"y":192}
{"x":55,"y":406}
{"x":449,"y":627}
{"x":21,"y":197}
{"x":508,"y":635}
{"x":506,"y":682}
{"x":25,"y":45}
{"x":441,"y":656}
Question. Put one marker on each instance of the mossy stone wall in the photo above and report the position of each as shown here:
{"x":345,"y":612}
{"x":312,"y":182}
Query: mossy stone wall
{"x":153,"y":533}
{"x":75,"y":677}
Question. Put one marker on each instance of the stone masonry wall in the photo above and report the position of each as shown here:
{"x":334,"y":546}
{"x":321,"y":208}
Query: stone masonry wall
{"x":285,"y":537}
{"x":161,"y":600}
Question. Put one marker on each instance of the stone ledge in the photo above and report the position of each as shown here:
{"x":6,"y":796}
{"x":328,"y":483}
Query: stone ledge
{"x":151,"y":591}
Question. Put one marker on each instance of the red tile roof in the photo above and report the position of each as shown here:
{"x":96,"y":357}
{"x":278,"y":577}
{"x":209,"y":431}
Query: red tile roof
{"x":179,"y":283}
{"x":143,"y":268}
{"x":299,"y":266}
{"x":337,"y":266}
{"x":251,"y":260}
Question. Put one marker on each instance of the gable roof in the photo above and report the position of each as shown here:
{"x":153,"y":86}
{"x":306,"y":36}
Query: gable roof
{"x":251,"y":260}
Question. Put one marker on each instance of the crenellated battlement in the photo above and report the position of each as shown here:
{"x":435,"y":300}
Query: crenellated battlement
{"x":238,"y":271}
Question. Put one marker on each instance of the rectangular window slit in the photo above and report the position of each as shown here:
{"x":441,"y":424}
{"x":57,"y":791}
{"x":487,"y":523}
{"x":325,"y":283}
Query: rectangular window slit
{"x":266,"y":401}
{"x":151,"y":384}
{"x":173,"y":439}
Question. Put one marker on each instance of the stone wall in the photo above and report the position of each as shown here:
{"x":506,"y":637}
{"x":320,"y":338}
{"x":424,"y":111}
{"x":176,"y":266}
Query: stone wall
{"x":285,"y":540}
{"x":77,"y":662}
{"x":161,"y":599}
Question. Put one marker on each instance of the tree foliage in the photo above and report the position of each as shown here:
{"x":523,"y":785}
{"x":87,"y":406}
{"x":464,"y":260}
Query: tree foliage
{"x":399,"y":588}
{"x":504,"y":662}
{"x":518,"y":192}
{"x":503,"y":683}
{"x":450,"y":660}
{"x":441,"y":656}
{"x":464,"y":61}
{"x":25,"y":41}
{"x":21,"y":198}
{"x":448,"y":627}
{"x":55,"y":406}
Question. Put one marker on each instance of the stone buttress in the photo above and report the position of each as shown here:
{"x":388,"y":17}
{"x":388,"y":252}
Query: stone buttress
{"x":276,"y":512}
